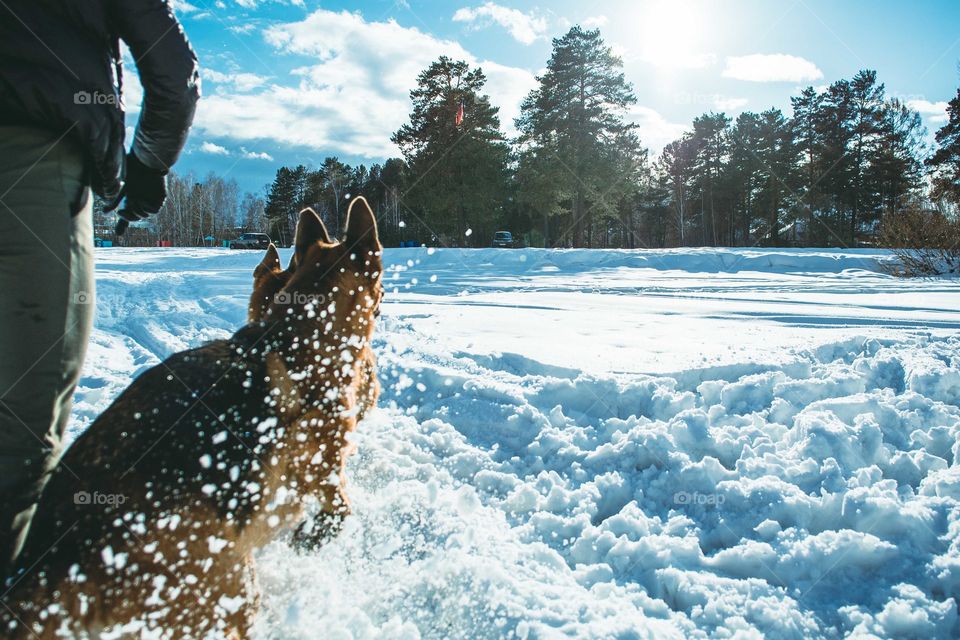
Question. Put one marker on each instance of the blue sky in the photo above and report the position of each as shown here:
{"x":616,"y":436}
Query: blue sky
{"x":293,"y":81}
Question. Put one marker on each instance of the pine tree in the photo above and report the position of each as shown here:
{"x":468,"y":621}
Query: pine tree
{"x":945,"y":162}
{"x":286,"y":198}
{"x":778,"y":157}
{"x":711,"y":149}
{"x":744,"y":174}
{"x":895,"y":170}
{"x":807,"y":124}
{"x":675,"y":165}
{"x":867,"y":102}
{"x":458,"y":169}
{"x":835,"y":173}
{"x":573,"y":135}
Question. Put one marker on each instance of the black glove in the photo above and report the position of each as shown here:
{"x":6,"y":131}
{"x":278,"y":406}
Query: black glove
{"x":144,"y":191}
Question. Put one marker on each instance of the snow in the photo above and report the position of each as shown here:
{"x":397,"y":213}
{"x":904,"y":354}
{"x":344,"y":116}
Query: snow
{"x":617,"y":444}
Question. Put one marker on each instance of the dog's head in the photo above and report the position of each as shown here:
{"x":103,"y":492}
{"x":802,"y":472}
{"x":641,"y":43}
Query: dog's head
{"x":329,"y":296}
{"x":336,"y":283}
{"x":322,"y":269}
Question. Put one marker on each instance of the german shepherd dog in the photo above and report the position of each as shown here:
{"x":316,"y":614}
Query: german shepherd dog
{"x":148,"y":526}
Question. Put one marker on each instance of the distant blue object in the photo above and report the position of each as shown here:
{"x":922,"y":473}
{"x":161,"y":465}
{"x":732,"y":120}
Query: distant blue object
{"x":106,"y":243}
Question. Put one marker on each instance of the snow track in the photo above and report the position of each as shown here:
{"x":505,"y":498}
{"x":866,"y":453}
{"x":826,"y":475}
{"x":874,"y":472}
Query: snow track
{"x":682,"y":444}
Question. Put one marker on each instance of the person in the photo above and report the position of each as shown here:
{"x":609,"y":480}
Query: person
{"x":62,"y":136}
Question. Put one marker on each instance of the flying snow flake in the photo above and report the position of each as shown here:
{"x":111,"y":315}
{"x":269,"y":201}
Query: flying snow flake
{"x":215,"y":544}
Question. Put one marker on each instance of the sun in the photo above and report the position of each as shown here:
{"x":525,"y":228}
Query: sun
{"x":671,"y":33}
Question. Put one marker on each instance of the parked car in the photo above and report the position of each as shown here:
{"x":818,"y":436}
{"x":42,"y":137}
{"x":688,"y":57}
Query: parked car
{"x":251,"y":241}
{"x":503,"y":240}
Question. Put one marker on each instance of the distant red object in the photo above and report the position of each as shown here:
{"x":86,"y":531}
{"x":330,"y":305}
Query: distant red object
{"x":460,"y":115}
{"x":164,"y":243}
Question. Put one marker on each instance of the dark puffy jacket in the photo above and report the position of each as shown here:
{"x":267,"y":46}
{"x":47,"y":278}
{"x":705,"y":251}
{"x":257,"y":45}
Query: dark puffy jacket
{"x":59,"y":66}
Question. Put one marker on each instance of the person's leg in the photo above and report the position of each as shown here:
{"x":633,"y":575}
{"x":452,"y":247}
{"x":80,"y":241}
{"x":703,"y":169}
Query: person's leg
{"x":46,"y":313}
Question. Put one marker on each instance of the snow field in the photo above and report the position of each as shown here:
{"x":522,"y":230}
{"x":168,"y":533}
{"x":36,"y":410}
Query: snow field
{"x":613,"y":444}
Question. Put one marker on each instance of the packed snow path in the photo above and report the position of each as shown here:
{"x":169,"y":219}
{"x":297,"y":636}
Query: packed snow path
{"x":612,"y":444}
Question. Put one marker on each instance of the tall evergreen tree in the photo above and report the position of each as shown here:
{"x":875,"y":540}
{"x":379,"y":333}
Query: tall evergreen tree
{"x":808,"y":125}
{"x":836,"y":168}
{"x":287,"y":196}
{"x":676,"y":166}
{"x":456,"y":155}
{"x":778,"y":155}
{"x":896,"y":171}
{"x":711,"y":149}
{"x":573,"y":135}
{"x":867,"y":110}
{"x":744,"y":175}
{"x":945,"y":162}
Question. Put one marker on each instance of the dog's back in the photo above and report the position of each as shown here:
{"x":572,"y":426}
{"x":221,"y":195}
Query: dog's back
{"x":161,"y":481}
{"x":151,"y":518}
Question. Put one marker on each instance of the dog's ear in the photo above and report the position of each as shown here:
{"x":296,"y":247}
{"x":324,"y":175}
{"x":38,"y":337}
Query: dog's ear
{"x":270,"y":262}
{"x":361,"y":225}
{"x":310,"y":229}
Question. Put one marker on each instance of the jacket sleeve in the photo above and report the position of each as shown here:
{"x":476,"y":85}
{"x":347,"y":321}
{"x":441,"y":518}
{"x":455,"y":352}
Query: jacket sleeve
{"x":169,"y":74}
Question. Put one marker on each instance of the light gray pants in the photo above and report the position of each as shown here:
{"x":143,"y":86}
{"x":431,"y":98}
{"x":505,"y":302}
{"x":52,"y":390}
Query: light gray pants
{"x":46,"y":313}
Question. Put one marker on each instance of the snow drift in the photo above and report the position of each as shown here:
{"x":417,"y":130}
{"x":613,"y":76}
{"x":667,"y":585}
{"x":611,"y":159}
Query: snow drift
{"x":683,"y":443}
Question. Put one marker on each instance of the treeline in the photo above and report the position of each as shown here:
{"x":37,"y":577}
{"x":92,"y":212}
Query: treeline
{"x":197,"y":212}
{"x":829,"y":173}
{"x":577,"y":175}
{"x":328,"y":191}
{"x":824,"y":176}
{"x":576,"y":165}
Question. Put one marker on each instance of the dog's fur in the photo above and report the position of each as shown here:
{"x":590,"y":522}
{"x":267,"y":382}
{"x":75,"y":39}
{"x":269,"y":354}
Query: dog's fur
{"x":212,"y":454}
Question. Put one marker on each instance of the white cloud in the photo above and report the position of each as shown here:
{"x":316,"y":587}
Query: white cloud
{"x":524,"y":27}
{"x":594,"y":22}
{"x":355,"y":92}
{"x":935,"y":111}
{"x":182,"y":6}
{"x":239,"y":81}
{"x":246,"y":27}
{"x":219,"y":150}
{"x":776,"y":67}
{"x":252,"y":4}
{"x":255,"y":155}
{"x":214,"y":149}
{"x":654,"y":130}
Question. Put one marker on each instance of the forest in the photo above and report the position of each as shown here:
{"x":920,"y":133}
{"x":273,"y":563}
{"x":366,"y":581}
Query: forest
{"x":844,"y":161}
